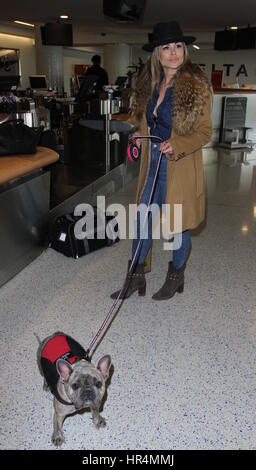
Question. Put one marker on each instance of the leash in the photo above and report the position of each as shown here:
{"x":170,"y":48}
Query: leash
{"x":109,"y":314}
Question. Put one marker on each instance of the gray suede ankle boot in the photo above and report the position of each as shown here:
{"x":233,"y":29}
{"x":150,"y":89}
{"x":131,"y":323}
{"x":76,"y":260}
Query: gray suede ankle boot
{"x":174,"y":282}
{"x":135,"y":281}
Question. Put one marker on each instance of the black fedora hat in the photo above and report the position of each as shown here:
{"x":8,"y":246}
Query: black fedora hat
{"x":165,"y":33}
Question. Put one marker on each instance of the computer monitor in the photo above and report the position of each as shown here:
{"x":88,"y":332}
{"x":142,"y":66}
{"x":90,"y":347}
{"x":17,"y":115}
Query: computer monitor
{"x":87,"y":88}
{"x":57,"y":34}
{"x":38,"y":82}
{"x":246,"y":38}
{"x":121,"y":80}
{"x":225,"y":40}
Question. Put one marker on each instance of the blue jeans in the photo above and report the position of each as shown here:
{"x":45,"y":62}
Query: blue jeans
{"x":159,"y":197}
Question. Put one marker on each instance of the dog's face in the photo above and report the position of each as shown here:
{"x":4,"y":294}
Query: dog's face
{"x":83,"y":382}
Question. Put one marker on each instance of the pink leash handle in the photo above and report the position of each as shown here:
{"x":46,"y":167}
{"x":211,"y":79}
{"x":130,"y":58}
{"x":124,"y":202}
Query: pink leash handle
{"x":133,"y":151}
{"x":108,"y":317}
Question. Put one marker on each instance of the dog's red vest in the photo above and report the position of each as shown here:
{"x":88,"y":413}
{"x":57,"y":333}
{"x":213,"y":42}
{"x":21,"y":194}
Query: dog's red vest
{"x":59,"y":347}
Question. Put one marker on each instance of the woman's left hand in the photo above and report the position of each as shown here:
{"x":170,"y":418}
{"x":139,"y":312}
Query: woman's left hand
{"x":167,"y":149}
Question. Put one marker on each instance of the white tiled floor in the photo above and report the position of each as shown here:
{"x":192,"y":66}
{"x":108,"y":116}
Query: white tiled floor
{"x":184,"y":370}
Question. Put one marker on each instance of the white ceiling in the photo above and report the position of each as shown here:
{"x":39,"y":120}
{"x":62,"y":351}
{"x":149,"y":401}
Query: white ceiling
{"x":193,"y":15}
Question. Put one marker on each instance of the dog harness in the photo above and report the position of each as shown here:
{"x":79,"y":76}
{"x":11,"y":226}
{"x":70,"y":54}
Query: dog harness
{"x":59,"y":347}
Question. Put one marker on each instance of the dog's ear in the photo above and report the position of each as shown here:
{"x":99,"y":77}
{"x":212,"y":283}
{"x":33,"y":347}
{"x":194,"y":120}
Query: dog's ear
{"x":104,"y":365}
{"x":64,"y":369}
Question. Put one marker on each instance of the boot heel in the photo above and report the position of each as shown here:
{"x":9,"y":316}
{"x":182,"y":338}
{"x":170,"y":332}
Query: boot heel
{"x":180,"y":289}
{"x":142,"y":290}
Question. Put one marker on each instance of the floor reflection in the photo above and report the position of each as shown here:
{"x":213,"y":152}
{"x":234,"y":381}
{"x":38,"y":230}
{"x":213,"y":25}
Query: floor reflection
{"x":230,"y":170}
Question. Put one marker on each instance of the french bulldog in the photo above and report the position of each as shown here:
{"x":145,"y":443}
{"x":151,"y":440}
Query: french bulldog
{"x":74,"y":381}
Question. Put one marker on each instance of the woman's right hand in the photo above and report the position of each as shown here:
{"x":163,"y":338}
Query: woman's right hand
{"x":138,"y":141}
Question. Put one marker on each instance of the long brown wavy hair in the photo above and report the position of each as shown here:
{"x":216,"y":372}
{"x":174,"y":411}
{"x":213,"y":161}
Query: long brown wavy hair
{"x":147,"y":81}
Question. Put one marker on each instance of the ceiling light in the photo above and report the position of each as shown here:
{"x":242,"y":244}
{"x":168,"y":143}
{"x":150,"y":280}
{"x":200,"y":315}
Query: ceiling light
{"x":25,"y":24}
{"x":64,"y":17}
{"x":234,"y":27}
{"x":245,"y":228}
{"x":195,"y":46}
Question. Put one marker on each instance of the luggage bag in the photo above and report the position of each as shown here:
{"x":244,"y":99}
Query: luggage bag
{"x":64,"y":240}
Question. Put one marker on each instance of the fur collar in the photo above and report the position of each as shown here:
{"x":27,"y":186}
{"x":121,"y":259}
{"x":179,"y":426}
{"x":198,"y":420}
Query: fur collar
{"x":191,"y":91}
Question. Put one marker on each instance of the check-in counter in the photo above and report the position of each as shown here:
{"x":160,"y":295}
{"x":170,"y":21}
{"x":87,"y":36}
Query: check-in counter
{"x":24,"y":209}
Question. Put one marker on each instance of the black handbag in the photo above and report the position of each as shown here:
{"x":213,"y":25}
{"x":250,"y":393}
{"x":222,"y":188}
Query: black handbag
{"x":17,"y":138}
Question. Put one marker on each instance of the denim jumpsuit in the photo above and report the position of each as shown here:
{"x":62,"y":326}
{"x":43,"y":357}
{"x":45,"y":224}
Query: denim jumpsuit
{"x":159,"y":126}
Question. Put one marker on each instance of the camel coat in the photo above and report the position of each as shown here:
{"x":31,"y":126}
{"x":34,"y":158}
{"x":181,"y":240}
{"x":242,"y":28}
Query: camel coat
{"x":191,"y":129}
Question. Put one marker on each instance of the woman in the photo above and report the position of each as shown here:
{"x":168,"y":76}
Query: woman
{"x":172,"y":101}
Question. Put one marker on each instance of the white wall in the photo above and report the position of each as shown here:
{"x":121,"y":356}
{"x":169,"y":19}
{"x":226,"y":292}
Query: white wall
{"x":72,"y":57}
{"x":26,"y":47}
{"x":130,"y":54}
{"x":243,"y":61}
{"x":117,"y":59}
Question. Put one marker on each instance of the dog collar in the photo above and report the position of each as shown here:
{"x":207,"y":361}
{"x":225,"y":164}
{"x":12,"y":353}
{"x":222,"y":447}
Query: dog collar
{"x":64,"y":402}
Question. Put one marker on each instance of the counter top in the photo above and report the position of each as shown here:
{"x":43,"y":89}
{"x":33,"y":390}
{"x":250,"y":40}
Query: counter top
{"x":234,"y":91}
{"x":121,"y":117}
{"x":13,"y":166}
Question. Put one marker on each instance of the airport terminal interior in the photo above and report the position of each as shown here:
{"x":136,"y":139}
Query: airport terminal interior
{"x":183,"y":369}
